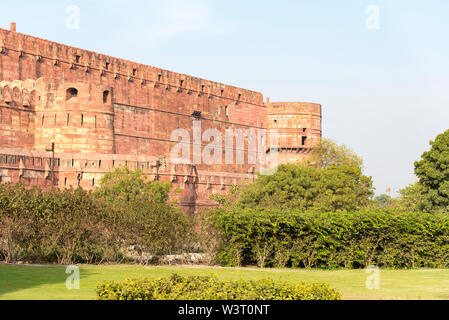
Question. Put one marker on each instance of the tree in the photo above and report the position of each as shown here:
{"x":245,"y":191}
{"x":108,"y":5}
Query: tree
{"x":433,"y":174}
{"x":328,"y":153}
{"x":333,"y":181}
{"x":124,"y":185}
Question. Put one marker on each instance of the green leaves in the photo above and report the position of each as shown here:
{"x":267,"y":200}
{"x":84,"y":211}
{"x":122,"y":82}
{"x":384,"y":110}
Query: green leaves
{"x":333,"y":240}
{"x":210,"y":288}
{"x":308,"y":188}
{"x":433,"y":173}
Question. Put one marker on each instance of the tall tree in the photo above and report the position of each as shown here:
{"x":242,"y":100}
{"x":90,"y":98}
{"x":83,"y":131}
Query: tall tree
{"x":433,"y":173}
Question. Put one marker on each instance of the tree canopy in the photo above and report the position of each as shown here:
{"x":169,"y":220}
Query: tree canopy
{"x":433,"y":174}
{"x":332,"y":181}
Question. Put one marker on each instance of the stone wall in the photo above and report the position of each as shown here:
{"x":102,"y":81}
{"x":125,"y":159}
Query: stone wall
{"x":83,"y":113}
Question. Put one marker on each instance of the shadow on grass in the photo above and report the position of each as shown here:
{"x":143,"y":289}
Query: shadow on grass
{"x":25,"y":279}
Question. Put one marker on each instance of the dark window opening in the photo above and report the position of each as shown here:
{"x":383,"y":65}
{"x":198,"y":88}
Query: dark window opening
{"x":106,"y":97}
{"x":196,"y":114}
{"x":203,"y":87}
{"x":304,"y":140}
{"x":93,"y":182}
{"x":82,"y":120}
{"x":106,"y":65}
{"x":240,"y":96}
{"x":134,"y":72}
{"x":65,"y":181}
{"x":71,"y":93}
{"x":159,"y":77}
{"x":77,"y":58}
{"x":181,"y":83}
{"x":222,"y":92}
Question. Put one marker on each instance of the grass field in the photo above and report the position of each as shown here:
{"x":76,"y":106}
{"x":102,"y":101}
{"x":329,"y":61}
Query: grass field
{"x":46,"y":282}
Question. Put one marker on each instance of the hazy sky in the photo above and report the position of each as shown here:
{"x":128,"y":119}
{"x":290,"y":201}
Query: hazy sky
{"x":383,"y":83}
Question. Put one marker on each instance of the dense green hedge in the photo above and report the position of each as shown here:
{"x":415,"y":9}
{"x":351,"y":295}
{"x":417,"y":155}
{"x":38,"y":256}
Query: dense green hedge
{"x":209,"y":288}
{"x":75,"y":226}
{"x":332,"y":240}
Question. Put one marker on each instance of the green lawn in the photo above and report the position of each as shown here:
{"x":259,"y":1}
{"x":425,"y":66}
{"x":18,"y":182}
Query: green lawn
{"x":29,"y":282}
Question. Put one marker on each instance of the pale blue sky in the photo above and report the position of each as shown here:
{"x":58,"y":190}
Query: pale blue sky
{"x":385,"y":92}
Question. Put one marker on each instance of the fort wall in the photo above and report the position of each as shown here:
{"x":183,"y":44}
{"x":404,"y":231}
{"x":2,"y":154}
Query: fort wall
{"x":68,"y":116}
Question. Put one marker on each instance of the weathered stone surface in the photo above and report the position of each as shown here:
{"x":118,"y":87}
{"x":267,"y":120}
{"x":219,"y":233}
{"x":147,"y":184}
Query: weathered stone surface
{"x":100,"y":113}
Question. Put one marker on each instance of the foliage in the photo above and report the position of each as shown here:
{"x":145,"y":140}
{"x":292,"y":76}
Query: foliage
{"x":331,"y":180}
{"x":308,"y":188}
{"x":75,"y":226}
{"x":333,"y":240}
{"x":433,"y":174}
{"x":210,"y":288}
{"x":330,"y":154}
{"x":123,"y":185}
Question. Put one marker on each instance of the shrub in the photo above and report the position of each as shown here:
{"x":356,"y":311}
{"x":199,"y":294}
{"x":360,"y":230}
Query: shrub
{"x":333,"y":240}
{"x":75,"y":226}
{"x":210,"y":288}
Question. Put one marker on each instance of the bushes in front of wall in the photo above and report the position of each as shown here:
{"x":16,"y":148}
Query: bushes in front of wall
{"x":210,"y":288}
{"x":75,"y":226}
{"x":331,"y":240}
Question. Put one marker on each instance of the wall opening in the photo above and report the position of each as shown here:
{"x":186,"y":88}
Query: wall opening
{"x":106,"y":96}
{"x":71,"y":93}
{"x":304,"y":140}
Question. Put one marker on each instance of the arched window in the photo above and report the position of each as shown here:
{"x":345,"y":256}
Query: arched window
{"x":106,"y":97}
{"x":71,"y":93}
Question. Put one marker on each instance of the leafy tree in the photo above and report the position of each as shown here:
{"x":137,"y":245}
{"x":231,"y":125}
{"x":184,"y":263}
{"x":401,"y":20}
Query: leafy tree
{"x":124,"y":185}
{"x":411,"y":198}
{"x":433,"y":173}
{"x":328,"y":154}
{"x":333,"y":180}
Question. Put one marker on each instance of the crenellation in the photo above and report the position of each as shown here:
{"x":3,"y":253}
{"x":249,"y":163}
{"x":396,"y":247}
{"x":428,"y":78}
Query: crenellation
{"x":80,"y":114}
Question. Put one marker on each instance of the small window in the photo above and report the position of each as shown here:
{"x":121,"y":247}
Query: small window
{"x":106,"y":65}
{"x":240,"y":96}
{"x":159,"y":77}
{"x":181,"y":83}
{"x":222,"y":92}
{"x":304,"y":140}
{"x":77,"y":58}
{"x":82,"y":120}
{"x":65,"y":181}
{"x":202,"y":88}
{"x":71,"y":93}
{"x":134,"y":72}
{"x":106,"y":97}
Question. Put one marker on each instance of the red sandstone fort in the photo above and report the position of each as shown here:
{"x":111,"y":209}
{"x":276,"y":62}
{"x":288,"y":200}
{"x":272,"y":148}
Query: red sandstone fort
{"x":68,"y":116}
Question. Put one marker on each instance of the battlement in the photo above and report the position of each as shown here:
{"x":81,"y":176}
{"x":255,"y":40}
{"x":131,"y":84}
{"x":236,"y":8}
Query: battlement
{"x":68,"y":116}
{"x":89,"y":61}
{"x":299,"y":128}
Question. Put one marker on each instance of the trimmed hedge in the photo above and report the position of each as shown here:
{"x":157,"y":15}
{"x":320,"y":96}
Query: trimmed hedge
{"x":210,"y":288}
{"x":332,"y":240}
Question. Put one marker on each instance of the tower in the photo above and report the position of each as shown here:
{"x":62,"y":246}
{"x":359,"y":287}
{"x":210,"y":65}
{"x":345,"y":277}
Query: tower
{"x":298,"y":126}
